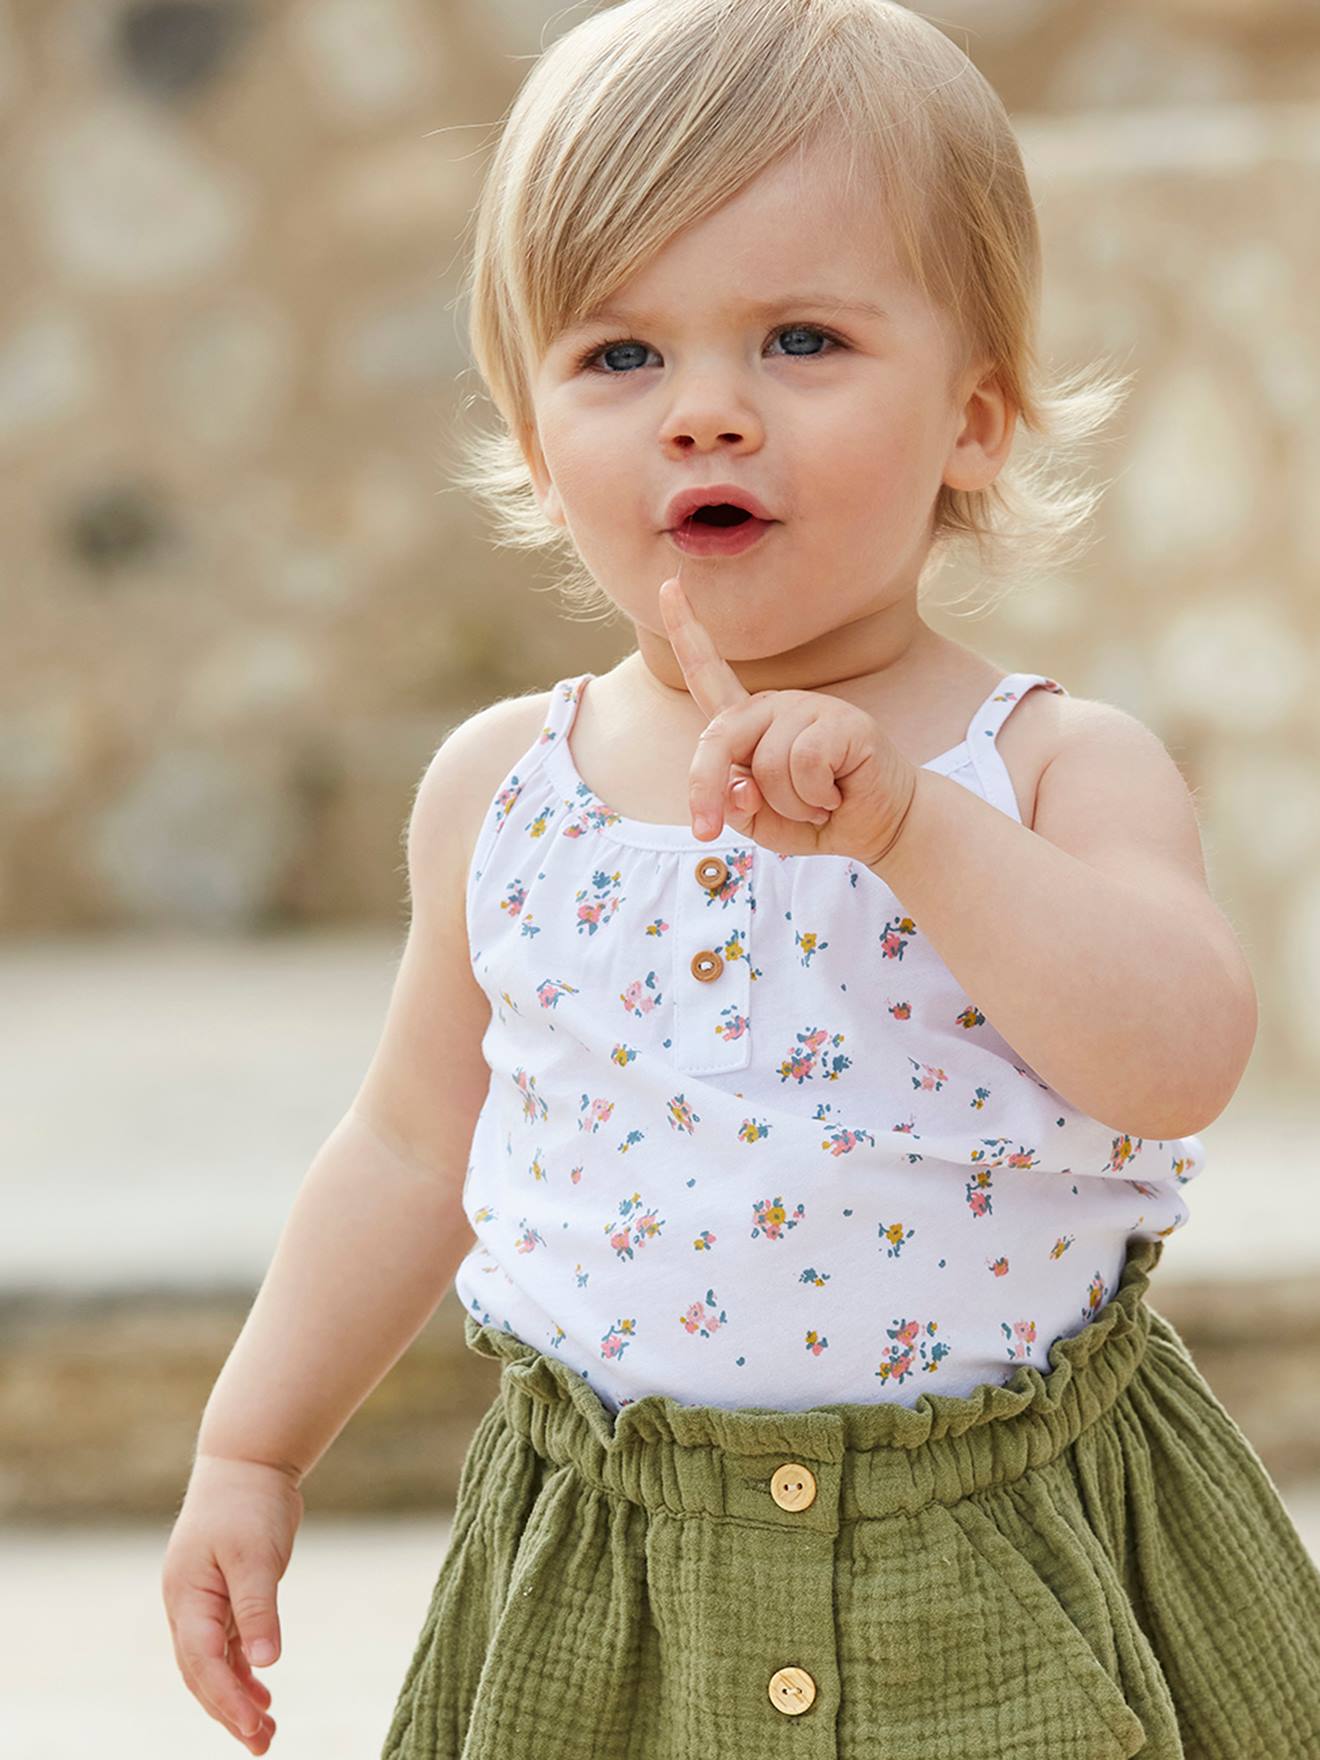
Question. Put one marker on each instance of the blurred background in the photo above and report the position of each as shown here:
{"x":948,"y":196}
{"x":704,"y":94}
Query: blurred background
{"x":242,"y":606}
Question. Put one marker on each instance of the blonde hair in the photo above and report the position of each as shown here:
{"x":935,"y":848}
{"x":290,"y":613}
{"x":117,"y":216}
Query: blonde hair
{"x":647,"y":116}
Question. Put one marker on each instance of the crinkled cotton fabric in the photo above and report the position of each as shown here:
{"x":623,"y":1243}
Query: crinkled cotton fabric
{"x":747,"y":1139}
{"x":1085,"y":1563}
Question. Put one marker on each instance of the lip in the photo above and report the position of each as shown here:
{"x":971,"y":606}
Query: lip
{"x":709,"y":495}
{"x":700,"y":540}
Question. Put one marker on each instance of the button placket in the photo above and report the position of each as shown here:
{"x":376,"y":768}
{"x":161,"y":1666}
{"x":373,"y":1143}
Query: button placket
{"x":791,"y":1514}
{"x":711,"y":989}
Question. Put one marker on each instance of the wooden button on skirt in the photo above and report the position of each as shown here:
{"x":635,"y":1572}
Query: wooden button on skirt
{"x":1089,"y":1563}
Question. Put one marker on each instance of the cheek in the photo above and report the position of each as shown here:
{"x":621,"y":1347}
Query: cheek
{"x":589,"y":474}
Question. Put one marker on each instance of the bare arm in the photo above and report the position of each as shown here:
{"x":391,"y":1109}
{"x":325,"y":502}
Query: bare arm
{"x":1090,"y":943}
{"x":377,"y":1230}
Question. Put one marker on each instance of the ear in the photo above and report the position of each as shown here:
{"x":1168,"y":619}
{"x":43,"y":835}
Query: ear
{"x":542,"y":482}
{"x":984,"y":437}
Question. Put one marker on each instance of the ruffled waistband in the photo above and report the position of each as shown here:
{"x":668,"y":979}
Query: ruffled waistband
{"x":888,"y":1457}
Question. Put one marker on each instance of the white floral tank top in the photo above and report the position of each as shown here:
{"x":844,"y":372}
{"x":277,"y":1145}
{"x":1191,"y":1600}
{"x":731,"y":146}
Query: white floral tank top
{"x":747,"y":1142}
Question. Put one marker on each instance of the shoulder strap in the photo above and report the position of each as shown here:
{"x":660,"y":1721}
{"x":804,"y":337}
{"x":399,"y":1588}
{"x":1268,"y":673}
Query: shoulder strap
{"x":983,"y":732}
{"x":565,"y":695}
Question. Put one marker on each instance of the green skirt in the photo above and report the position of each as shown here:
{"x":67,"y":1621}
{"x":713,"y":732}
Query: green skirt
{"x":1086,"y":1564}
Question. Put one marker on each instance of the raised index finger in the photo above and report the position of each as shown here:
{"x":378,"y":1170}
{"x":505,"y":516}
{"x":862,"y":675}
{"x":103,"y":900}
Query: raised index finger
{"x":712,"y":681}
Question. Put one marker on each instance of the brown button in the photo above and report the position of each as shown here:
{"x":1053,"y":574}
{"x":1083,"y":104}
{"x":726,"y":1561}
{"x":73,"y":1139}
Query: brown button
{"x":793,"y":1486}
{"x":712,"y":872}
{"x":707,"y":965}
{"x":791,"y":1691}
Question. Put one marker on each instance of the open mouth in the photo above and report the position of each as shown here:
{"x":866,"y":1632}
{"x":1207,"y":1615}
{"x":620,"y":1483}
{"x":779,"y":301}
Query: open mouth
{"x":720,"y":529}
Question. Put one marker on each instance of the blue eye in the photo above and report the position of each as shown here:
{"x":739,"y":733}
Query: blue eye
{"x":585,"y":360}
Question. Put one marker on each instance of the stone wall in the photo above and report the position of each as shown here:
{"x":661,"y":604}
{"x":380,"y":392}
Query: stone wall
{"x":242,"y":605}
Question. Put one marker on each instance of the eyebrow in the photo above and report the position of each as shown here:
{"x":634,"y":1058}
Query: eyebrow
{"x":757,"y":308}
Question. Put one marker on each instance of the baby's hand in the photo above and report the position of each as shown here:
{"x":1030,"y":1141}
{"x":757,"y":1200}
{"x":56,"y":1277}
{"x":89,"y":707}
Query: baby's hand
{"x":825,"y":778}
{"x":228,"y":1550}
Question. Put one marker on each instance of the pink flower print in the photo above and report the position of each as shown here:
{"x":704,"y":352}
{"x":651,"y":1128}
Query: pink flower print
{"x":618,"y":1338}
{"x":704,"y":1241}
{"x":1095,"y":1297}
{"x":597,"y":1113}
{"x":901,"y":1011}
{"x":894,"y":1235}
{"x":1121,"y":1152}
{"x":752,"y":1130}
{"x":517,"y":898}
{"x":1180,"y":1165}
{"x":635,"y":998}
{"x":978,"y":1193}
{"x":623,"y":1055}
{"x":971,"y":1016}
{"x":575,"y":1174}
{"x":895,"y":935}
{"x":1061,"y":1245}
{"x":809,"y":943}
{"x":998,"y":1267}
{"x":589,"y":814}
{"x":799,"y":1064}
{"x":910,"y":1338}
{"x":681,"y":1115}
{"x":504,"y":801}
{"x":657,"y":927}
{"x":731,"y":1029}
{"x":529,"y":1239}
{"x":979,"y":1098}
{"x":534,"y":1106}
{"x":549,"y":990}
{"x":740,"y":866}
{"x":773,"y":1220}
{"x":1021,"y":1158}
{"x":932,"y":1079}
{"x":816,"y":1279}
{"x":639,"y":1226}
{"x":815,"y":1344}
{"x":592,"y":912}
{"x":1142,"y":1186}
{"x":700,"y":1318}
{"x":843,"y":1142}
{"x":1021,"y":1336}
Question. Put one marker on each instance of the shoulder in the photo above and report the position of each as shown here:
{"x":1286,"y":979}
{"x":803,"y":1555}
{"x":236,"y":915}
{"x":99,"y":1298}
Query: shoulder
{"x":1112,"y":794}
{"x":460,"y":781}
{"x":1078,"y":725}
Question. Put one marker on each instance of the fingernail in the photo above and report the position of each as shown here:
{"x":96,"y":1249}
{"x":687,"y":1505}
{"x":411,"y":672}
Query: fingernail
{"x":260,"y":1652}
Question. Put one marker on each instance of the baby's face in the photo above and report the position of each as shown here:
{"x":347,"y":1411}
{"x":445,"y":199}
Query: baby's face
{"x":840,"y":421}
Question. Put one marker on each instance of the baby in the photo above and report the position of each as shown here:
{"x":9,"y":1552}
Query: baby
{"x":797,"y":1053}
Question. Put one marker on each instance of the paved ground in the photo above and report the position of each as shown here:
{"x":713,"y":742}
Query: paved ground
{"x":84,"y":1608}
